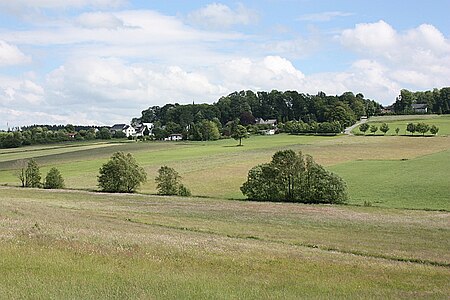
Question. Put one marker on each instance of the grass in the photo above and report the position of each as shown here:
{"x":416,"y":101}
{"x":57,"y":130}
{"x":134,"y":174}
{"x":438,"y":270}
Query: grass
{"x":419,"y":183}
{"x":63,"y":244}
{"x":441,"y":121}
{"x":218,"y":169}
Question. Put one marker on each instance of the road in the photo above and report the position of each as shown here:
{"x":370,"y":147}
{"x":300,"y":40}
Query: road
{"x":348,"y":130}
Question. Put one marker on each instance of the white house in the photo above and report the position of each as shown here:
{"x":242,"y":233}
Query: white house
{"x":142,"y":128}
{"x":174,"y":137}
{"x":127,"y":129}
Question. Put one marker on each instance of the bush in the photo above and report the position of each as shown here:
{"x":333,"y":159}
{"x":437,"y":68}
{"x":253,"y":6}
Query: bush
{"x":121,"y":174}
{"x":32,"y":175}
{"x":54,"y":179}
{"x":168,"y":183}
{"x":295,"y":178}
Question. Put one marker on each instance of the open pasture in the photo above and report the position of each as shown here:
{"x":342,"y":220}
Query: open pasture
{"x":71,"y":244}
{"x":441,"y":121}
{"x":218,"y":169}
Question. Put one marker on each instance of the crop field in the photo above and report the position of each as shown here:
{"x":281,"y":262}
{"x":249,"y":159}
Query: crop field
{"x":74,"y":244}
{"x":441,"y":121}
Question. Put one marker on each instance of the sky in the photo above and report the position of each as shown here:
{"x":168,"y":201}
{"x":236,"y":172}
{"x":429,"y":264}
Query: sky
{"x":100,"y":62}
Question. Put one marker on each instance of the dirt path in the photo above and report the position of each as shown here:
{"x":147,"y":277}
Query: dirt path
{"x":348,"y":130}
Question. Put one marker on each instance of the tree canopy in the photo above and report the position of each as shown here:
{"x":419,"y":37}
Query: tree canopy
{"x":294,"y":177}
{"x":121,"y":174}
{"x":168,"y":182}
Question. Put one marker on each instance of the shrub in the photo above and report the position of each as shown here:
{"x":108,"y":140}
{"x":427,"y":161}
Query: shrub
{"x":168,"y":183}
{"x":54,"y":179}
{"x":32,"y":174}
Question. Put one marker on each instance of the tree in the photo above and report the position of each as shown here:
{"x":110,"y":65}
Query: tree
{"x":373,"y":129}
{"x":411,"y":127}
{"x":422,"y":128}
{"x":384,"y":128}
{"x":20,"y":171}
{"x":32,"y":174}
{"x":295,"y":178}
{"x":103,"y":134}
{"x":168,"y":182}
{"x":364,"y":127}
{"x":239,"y":133}
{"x":54,"y":179}
{"x":434,"y":129}
{"x":397,"y":130}
{"x":121,"y":174}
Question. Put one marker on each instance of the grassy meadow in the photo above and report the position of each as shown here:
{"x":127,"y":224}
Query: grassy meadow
{"x":73,"y":244}
{"x":441,"y":121}
{"x":391,"y":241}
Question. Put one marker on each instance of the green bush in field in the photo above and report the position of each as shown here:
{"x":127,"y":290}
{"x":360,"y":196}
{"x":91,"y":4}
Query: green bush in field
{"x":32,"y":174}
{"x":168,"y":182}
{"x":384,"y":128}
{"x":54,"y":179}
{"x":411,"y":127}
{"x":121,"y":174}
{"x":434,"y":129}
{"x":373,"y":129}
{"x":294,"y":177}
{"x":364,"y":127}
{"x":422,"y":128}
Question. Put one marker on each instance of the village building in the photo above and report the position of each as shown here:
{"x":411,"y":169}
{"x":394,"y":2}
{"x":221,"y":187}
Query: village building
{"x":419,"y":108}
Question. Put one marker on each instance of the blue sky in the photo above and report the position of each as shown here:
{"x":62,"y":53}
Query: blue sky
{"x":103,"y":61}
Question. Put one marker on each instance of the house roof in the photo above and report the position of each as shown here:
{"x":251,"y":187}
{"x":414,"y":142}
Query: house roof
{"x":418,"y":106}
{"x":118,"y":127}
{"x":261,"y":121}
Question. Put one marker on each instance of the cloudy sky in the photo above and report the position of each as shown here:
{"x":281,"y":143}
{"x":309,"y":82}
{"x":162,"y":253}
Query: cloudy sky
{"x":104,"y":61}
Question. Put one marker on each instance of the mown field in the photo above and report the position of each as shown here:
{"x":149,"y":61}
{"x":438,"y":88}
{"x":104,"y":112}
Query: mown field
{"x":441,"y":121}
{"x":72,"y":244}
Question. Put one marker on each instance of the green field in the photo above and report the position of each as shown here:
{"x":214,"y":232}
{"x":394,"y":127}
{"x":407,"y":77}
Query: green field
{"x":441,"y":121}
{"x":402,"y":172}
{"x":391,"y":241}
{"x":56,"y":244}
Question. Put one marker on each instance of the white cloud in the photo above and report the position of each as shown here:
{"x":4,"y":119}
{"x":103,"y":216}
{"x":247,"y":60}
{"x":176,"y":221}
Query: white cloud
{"x":99,"y":20}
{"x":419,"y":57}
{"x":27,"y":5}
{"x":11,"y":55}
{"x":20,"y":92}
{"x":324,"y":16}
{"x":217,"y":15}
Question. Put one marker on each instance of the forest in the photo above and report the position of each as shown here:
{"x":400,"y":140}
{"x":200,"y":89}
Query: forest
{"x":437,"y":100}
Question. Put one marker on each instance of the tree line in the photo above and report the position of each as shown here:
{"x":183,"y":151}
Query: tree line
{"x":247,"y":106}
{"x":437,"y":100}
{"x":36,"y":135}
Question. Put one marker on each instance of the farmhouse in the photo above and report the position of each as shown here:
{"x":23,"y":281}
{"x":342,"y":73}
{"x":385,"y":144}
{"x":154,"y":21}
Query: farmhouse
{"x":270,"y":122}
{"x":174,"y":137}
{"x":127,"y":129}
{"x":144,"y":129}
{"x":419,"y":108}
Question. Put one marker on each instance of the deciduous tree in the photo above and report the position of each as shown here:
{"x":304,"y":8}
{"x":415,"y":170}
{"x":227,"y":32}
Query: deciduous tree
{"x":168,"y":182}
{"x":384,"y":128}
{"x":54,"y":179}
{"x":239,"y":133}
{"x":121,"y":174}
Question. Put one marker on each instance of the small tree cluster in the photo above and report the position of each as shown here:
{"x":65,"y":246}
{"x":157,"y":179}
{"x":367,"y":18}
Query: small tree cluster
{"x":300,"y":127}
{"x":295,"y":178}
{"x":422,"y":128}
{"x":121,"y":174}
{"x":168,"y":182}
{"x":29,"y":175}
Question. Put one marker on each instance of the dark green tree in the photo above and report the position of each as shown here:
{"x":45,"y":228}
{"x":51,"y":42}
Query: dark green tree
{"x":54,"y":179}
{"x":373,"y":129}
{"x":397,"y":130}
{"x":103,"y":134}
{"x":239,"y":133}
{"x":364,"y":127}
{"x":434,"y":129}
{"x":295,"y":178}
{"x":168,"y":182}
{"x":121,"y":174}
{"x":422,"y":128}
{"x":384,"y":128}
{"x":411,"y":127}
{"x":32,"y":174}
